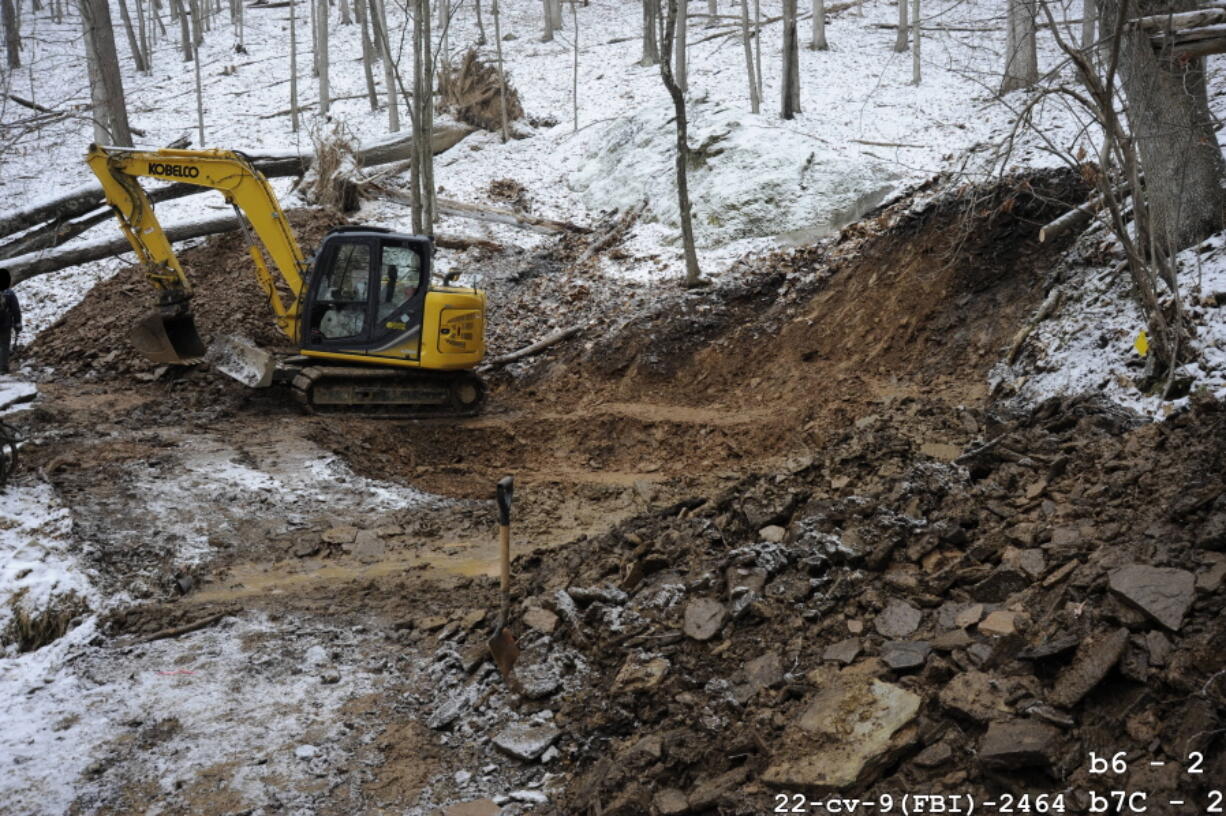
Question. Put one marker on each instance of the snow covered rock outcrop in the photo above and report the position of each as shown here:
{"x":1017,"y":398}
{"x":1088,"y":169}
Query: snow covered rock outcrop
{"x":746,"y":180}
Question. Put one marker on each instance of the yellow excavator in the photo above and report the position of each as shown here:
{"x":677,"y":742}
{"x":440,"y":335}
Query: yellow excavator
{"x":371,"y":328}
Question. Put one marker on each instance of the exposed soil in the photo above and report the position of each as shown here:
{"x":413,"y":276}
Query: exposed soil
{"x":808,"y":455}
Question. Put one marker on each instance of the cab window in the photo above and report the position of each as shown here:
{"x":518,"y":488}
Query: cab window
{"x":342,"y":294}
{"x":399,"y":279}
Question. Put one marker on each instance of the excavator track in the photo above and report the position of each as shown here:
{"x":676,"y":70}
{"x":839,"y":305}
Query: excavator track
{"x":381,"y":392}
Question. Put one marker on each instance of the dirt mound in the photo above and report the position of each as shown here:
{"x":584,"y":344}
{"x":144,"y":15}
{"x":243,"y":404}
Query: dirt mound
{"x":91,"y":339}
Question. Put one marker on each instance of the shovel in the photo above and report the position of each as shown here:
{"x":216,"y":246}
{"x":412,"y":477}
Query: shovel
{"x":503,"y":647}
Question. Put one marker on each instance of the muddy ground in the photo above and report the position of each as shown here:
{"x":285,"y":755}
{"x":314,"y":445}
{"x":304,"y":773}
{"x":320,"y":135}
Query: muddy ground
{"x":752,"y":520}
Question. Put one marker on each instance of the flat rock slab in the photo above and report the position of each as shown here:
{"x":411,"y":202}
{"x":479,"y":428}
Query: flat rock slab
{"x":525,"y":741}
{"x":855,"y":728}
{"x":641,"y":674}
{"x":704,"y":617}
{"x":1163,"y":593}
{"x":976,"y":695}
{"x":1095,"y":657}
{"x":845,"y":651}
{"x":670,"y":802}
{"x":905,"y":654}
{"x":898,"y":620}
{"x":540,"y":619}
{"x":1019,"y":744}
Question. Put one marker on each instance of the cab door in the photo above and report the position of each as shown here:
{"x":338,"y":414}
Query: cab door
{"x":338,"y":308}
{"x":402,"y":276}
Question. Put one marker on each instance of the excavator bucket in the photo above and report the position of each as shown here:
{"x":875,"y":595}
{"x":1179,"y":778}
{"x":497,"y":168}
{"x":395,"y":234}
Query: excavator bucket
{"x":243,"y":360}
{"x":167,"y":338}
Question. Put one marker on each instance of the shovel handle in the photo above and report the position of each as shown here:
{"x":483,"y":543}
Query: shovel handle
{"x":504,"y":543}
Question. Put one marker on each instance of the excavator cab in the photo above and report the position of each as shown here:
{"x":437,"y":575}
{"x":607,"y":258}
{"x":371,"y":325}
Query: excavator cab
{"x":366,"y":293}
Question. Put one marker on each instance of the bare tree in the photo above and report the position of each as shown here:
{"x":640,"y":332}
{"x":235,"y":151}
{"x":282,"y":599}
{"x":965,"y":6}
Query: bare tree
{"x":346,"y":19}
{"x":915,"y":42}
{"x":790,"y":91}
{"x":574,"y":79}
{"x":138,"y":58}
{"x":683,"y":15}
{"x":757,"y":43}
{"x":1175,"y":134}
{"x":651,"y":48}
{"x":755,"y":101}
{"x":1089,"y":13}
{"x":106,"y":84}
{"x":12,"y":35}
{"x":321,"y":56}
{"x":368,"y":70}
{"x":555,"y":14}
{"x":712,"y":13}
{"x":502,"y":75}
{"x":178,"y":10}
{"x":818,"y":43}
{"x":693,"y":277}
{"x":379,"y":21}
{"x":1021,"y":51}
{"x":142,"y":32}
{"x":900,"y":42}
{"x":480,"y":23}
{"x":547,"y":33}
{"x":293,"y":69}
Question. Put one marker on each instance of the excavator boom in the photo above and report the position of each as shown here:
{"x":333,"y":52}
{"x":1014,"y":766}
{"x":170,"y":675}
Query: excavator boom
{"x":168,"y":334}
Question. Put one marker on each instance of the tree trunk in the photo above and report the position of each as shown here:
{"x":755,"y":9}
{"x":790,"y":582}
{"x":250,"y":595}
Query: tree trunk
{"x":502,"y":77}
{"x":901,"y":43}
{"x":12,"y":36}
{"x":547,"y":35}
{"x":755,"y":102}
{"x":325,"y":93}
{"x":185,"y":35}
{"x":1173,"y":129}
{"x":143,"y":34}
{"x":138,"y":58}
{"x":692,"y":273}
{"x":1021,"y":52}
{"x":790,"y":91}
{"x":915,"y":42}
{"x":683,"y":15}
{"x":345,"y":18}
{"x":818,"y":43}
{"x":428,"y":194}
{"x":481,"y":40}
{"x":199,"y":87}
{"x":109,"y":110}
{"x":757,"y":43}
{"x":574,"y":80}
{"x":1089,"y":13}
{"x":379,"y":20}
{"x":416,"y":208}
{"x":293,"y":68}
{"x":359,"y":8}
{"x":555,"y":14}
{"x":651,"y":48}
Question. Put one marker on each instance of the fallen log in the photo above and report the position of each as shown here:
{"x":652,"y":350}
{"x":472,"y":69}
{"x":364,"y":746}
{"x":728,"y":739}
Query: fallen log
{"x":612,"y":234}
{"x":1045,"y":311}
{"x":82,"y":200}
{"x":1076,"y":218}
{"x":194,"y":626}
{"x":459,"y":209}
{"x":51,"y":235}
{"x":535,"y":348}
{"x":34,"y":106}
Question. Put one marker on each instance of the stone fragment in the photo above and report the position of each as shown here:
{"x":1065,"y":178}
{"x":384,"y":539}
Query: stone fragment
{"x":1212,"y":533}
{"x":855,"y":727}
{"x":368,"y":545}
{"x":1210,"y":581}
{"x":953,"y":639}
{"x":1019,"y":744}
{"x":330,"y":677}
{"x":934,"y":755}
{"x":477,"y":807}
{"x":1095,"y":657}
{"x":707,"y":793}
{"x":531,"y":797}
{"x":898,"y":620}
{"x":1159,"y":648}
{"x":999,"y":585}
{"x":472,"y":618}
{"x":704,"y":617}
{"x":526,"y":741}
{"x":1030,"y":562}
{"x":431,"y":623}
{"x":764,"y":672}
{"x":998,"y":623}
{"x":773,"y":533}
{"x":306,"y":752}
{"x":537,"y":680}
{"x":969,"y":616}
{"x":1163,"y":593}
{"x":905,"y":654}
{"x":670,"y":802}
{"x":940,"y":450}
{"x":845,"y":651}
{"x":540,"y":619}
{"x":451,"y":709}
{"x":976,"y":695}
{"x":640,"y":673}
{"x":306,"y":548}
{"x":343,"y":536}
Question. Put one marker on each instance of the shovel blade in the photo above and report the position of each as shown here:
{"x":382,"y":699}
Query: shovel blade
{"x":243,"y":360}
{"x":505,"y":651}
{"x":167,"y":338}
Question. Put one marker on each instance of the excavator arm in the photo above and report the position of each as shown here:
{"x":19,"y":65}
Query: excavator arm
{"x":244,"y":188}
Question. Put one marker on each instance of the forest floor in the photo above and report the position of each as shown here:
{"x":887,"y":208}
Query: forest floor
{"x":746,"y":518}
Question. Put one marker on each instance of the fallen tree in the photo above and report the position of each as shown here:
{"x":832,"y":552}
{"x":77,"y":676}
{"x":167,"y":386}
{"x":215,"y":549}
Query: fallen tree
{"x":33,"y":264}
{"x":83,"y":200}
